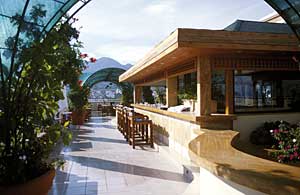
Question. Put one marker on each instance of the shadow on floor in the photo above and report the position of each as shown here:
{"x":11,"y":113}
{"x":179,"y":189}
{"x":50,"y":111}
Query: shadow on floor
{"x":66,"y":183}
{"x":100,"y":139}
{"x":100,"y":119}
{"x":97,"y":125}
{"x":128,"y":168}
{"x":78,"y":146}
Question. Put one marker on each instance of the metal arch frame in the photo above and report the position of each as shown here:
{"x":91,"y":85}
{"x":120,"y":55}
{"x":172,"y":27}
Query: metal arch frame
{"x":85,"y":2}
{"x":90,"y":83}
{"x":283,"y":15}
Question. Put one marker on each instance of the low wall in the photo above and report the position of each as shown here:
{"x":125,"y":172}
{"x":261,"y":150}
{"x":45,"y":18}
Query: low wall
{"x":246,"y":123}
{"x":175,"y":133}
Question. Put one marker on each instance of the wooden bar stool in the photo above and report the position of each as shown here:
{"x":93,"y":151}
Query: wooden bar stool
{"x":140,"y":130}
{"x":119,"y":117}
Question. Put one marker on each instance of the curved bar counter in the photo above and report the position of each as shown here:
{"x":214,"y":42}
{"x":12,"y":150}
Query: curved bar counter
{"x":215,"y":152}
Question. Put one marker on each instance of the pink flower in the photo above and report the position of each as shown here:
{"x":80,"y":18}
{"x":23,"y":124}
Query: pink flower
{"x":93,"y":60}
{"x":276,"y":131}
{"x":295,"y":154}
{"x":83,"y":55}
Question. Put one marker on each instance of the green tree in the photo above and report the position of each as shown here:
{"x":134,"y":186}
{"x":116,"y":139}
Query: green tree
{"x":127,"y":94}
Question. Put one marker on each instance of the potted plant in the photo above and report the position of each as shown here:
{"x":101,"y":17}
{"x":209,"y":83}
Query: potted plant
{"x":188,"y":98}
{"x":78,"y":97}
{"x":30,"y":89}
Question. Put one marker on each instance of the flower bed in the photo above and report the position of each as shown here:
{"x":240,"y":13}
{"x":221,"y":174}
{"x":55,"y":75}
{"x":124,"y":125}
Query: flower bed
{"x":287,"y":142}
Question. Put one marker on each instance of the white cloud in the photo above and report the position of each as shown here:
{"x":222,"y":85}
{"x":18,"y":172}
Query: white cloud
{"x":161,"y":7}
{"x":123,"y":53}
{"x":125,"y":30}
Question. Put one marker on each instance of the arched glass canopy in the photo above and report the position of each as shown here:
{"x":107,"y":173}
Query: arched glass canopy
{"x":289,"y":10}
{"x":107,"y":74}
{"x":39,"y":16}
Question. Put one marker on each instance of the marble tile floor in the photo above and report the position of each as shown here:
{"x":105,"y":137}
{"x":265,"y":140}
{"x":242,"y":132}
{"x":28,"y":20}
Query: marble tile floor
{"x":100,"y":161}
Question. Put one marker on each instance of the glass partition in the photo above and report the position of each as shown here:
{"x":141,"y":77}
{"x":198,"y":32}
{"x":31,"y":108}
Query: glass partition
{"x":266,"y":91}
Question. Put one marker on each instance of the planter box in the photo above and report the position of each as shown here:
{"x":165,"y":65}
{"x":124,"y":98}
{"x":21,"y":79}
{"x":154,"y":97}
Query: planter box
{"x":78,"y":117}
{"x":37,"y":186}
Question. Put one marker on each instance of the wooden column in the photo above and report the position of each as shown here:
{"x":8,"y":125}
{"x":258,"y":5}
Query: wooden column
{"x":137,"y":96}
{"x":171,"y":93}
{"x":203,"y":86}
{"x":229,"y":107}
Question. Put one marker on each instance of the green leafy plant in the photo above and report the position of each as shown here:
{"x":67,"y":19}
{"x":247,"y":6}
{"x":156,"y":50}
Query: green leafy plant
{"x":29,"y":93}
{"x":127,"y":91}
{"x":147,"y":95}
{"x":78,"y":97}
{"x":187,"y":93}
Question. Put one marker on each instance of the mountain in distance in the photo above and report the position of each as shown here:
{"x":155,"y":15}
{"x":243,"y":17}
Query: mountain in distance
{"x":103,"y":63}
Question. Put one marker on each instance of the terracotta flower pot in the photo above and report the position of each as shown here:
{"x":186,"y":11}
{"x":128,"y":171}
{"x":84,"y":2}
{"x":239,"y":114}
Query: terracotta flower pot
{"x":37,"y":186}
{"x":78,"y":117}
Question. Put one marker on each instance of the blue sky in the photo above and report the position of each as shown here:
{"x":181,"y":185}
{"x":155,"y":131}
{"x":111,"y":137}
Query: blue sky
{"x":127,"y":29}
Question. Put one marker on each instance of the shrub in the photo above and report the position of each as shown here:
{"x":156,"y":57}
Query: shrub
{"x":288,"y":142}
{"x":262,"y":135}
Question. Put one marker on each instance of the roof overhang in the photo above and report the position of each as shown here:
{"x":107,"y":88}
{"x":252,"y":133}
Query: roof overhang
{"x":186,"y":44}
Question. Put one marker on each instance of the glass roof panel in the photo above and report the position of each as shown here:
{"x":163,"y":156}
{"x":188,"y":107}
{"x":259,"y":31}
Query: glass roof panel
{"x":289,"y":10}
{"x":39,"y":15}
{"x":108,"y":74}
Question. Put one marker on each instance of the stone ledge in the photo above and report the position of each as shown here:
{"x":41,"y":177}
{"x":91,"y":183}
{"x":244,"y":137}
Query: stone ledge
{"x":188,"y":116}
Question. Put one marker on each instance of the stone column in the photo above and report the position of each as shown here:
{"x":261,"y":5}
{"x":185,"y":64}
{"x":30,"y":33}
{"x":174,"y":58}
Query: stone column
{"x":203,"y":86}
{"x":229,"y":104}
{"x":137,"y":94}
{"x":171,"y":93}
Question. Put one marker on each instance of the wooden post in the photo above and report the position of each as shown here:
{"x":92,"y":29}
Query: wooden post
{"x":229,"y":108}
{"x":171,"y":93}
{"x":203,"y":86}
{"x":137,"y":94}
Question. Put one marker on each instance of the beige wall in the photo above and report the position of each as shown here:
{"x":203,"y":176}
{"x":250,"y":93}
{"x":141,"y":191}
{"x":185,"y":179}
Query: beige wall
{"x":179,"y":133}
{"x":246,"y":123}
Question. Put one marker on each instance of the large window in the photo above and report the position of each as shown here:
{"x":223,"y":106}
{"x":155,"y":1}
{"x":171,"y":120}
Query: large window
{"x":266,"y":91}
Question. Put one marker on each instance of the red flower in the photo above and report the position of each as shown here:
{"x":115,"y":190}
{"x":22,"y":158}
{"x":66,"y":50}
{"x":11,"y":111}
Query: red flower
{"x":79,"y":82}
{"x":93,"y":60}
{"x":83,"y":55}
